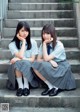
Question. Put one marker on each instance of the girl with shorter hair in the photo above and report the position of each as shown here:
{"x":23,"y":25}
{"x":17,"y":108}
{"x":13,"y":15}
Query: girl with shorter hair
{"x":51,"y":65}
{"x":24,"y":49}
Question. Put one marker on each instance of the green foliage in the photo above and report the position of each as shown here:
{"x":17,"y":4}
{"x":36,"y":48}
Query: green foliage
{"x":74,"y":1}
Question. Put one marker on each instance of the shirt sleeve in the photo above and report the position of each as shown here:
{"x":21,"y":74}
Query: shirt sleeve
{"x":13,"y":49}
{"x":34,"y":48}
{"x":59,"y":51}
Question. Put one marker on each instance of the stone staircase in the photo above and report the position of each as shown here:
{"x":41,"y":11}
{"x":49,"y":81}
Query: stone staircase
{"x":37,"y":13}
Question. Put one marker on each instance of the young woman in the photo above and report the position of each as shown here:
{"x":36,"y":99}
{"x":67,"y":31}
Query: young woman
{"x":24,"y":50}
{"x":51,"y":65}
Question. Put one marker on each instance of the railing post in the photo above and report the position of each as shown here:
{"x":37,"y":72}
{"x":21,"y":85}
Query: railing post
{"x":3,"y":12}
{"x":1,"y":16}
{"x":77,"y":14}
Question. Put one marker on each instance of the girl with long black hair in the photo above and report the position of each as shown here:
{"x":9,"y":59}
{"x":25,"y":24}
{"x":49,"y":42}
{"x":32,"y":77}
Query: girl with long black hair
{"x":24,"y":49}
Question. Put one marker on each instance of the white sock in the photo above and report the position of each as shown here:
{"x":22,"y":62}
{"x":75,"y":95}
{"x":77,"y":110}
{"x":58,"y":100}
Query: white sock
{"x":50,"y":86}
{"x":20,"y":83}
{"x":26,"y":84}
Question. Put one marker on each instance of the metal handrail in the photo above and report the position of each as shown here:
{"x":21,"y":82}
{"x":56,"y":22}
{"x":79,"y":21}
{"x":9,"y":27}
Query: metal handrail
{"x":1,"y":16}
{"x":3,"y":12}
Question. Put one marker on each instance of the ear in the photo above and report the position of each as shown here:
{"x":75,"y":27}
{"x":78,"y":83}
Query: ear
{"x":51,"y":39}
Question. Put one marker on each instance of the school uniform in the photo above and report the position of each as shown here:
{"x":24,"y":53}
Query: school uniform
{"x":60,"y":76}
{"x":24,"y":66}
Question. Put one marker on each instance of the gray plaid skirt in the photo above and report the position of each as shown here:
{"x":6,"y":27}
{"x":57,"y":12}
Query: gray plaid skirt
{"x":60,"y":77}
{"x":24,"y":67}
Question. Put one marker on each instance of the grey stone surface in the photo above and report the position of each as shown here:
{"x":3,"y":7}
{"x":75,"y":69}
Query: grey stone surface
{"x":40,"y":6}
{"x":39,"y":14}
{"x":45,"y":109}
{"x":65,"y":22}
{"x":77,"y":14}
{"x":63,"y":99}
{"x":36,"y":31}
{"x":33,"y":1}
{"x":69,"y":42}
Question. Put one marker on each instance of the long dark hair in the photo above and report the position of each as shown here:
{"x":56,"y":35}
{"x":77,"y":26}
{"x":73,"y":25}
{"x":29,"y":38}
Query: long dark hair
{"x":27,"y":28}
{"x":49,"y":29}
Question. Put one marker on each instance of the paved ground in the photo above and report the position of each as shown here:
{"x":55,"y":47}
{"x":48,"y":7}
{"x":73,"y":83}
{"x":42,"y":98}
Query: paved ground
{"x":45,"y":110}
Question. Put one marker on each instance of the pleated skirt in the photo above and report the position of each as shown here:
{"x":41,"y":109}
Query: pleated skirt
{"x":24,"y":67}
{"x":60,"y":77}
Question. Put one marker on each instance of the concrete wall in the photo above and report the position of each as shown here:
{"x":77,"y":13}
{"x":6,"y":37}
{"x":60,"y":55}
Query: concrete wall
{"x":77,"y":14}
{"x":3,"y":10}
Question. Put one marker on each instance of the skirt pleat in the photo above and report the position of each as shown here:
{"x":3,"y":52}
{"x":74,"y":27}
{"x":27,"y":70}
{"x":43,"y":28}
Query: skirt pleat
{"x":60,"y":77}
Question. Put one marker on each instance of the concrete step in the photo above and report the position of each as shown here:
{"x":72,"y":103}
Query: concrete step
{"x":36,"y":31}
{"x":39,"y":1}
{"x":67,"y":41}
{"x":39,"y":109}
{"x":4,"y":78}
{"x":65,"y":22}
{"x":75,"y":65}
{"x":23,"y":14}
{"x":40,"y":6}
{"x":72,"y":53}
{"x":65,"y":99}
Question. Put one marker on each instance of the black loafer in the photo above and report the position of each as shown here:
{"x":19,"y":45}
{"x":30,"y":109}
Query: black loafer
{"x":45,"y":92}
{"x":55,"y":92}
{"x":26,"y":92}
{"x":19,"y":92}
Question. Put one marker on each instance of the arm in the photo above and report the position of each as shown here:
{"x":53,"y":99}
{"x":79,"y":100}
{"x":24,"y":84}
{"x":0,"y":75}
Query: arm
{"x":30,"y":59}
{"x":39,"y":58}
{"x":20,"y":54}
{"x":46,"y":57}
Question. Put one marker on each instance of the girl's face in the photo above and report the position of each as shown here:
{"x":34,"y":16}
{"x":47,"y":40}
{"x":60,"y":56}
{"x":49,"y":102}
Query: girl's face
{"x":46,"y":36}
{"x":23,"y":33}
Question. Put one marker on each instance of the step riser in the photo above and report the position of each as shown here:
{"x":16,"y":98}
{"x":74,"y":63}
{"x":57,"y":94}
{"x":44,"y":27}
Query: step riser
{"x":9,"y":32}
{"x":37,"y":1}
{"x":24,"y":15}
{"x":75,"y":68}
{"x":57,"y":23}
{"x":42,"y":101}
{"x":67,"y":43}
{"x":3,"y":83}
{"x":40,"y":6}
{"x":4,"y":68}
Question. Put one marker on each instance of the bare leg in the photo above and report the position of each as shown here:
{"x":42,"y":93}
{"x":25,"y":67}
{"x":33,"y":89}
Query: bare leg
{"x":18,"y":73}
{"x":39,"y":75}
{"x":43,"y":79}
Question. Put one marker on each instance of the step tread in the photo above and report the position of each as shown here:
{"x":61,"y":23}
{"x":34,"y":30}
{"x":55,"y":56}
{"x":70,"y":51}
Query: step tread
{"x":43,"y":3}
{"x":40,"y":10}
{"x":42,"y":19}
{"x":35,"y":93}
{"x":40,"y":109}
{"x":40,"y":28}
